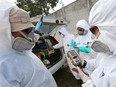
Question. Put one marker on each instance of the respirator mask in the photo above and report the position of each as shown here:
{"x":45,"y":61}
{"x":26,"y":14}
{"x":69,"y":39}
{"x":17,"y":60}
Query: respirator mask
{"x":99,"y":44}
{"x":93,"y":36}
{"x":24,"y":43}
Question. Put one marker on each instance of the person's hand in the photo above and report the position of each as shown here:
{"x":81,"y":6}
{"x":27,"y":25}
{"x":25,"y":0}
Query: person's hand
{"x":81,"y":74}
{"x":73,"y":43}
{"x":51,"y":47}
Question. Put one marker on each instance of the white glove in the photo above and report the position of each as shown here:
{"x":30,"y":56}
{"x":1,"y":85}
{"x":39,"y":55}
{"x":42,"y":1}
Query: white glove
{"x":81,"y":74}
{"x":37,"y":36}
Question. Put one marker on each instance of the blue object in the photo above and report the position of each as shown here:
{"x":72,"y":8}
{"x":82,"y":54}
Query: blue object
{"x":39,"y":24}
{"x":83,"y":49}
{"x":73,"y":43}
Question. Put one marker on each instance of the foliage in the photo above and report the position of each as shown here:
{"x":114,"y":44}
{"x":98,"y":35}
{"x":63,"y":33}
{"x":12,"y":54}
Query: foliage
{"x":37,"y":7}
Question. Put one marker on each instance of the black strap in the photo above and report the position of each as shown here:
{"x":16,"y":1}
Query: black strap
{"x":85,"y":63}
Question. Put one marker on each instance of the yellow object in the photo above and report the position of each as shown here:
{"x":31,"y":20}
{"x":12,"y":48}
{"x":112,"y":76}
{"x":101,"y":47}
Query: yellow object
{"x":51,"y":51}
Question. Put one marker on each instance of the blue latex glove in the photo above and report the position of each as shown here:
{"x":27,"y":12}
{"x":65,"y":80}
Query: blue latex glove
{"x":73,"y":43}
{"x":83,"y":49}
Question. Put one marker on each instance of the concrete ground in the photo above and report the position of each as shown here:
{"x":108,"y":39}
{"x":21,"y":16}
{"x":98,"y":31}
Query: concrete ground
{"x":64,"y":78}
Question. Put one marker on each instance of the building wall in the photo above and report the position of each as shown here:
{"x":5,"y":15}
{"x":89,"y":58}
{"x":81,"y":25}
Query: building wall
{"x":74,"y":12}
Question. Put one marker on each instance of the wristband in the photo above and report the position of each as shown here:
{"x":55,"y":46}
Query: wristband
{"x":85,"y":63}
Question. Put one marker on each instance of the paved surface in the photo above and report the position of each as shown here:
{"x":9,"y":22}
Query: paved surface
{"x":64,"y":78}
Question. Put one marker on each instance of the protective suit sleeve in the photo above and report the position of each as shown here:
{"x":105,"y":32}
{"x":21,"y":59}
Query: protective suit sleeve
{"x":112,"y":79}
{"x":88,"y":84}
{"x":9,"y":76}
{"x":81,"y":74}
{"x":59,"y":45}
{"x":91,"y":65}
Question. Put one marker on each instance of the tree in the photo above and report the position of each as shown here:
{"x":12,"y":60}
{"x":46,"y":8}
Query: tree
{"x":37,"y":7}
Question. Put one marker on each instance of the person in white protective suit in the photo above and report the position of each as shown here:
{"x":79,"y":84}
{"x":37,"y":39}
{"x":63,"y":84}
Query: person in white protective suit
{"x":19,"y":67}
{"x":65,"y":41}
{"x":84,"y":39}
{"x":103,"y":16}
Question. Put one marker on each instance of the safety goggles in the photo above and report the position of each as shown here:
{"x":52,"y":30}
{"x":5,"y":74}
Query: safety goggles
{"x":30,"y":34}
{"x":93,"y":29}
{"x":80,"y":29}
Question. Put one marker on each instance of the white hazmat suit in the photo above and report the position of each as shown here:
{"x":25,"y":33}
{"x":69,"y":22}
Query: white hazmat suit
{"x":65,"y":42}
{"x":103,"y":16}
{"x":83,"y":40}
{"x":19,"y":69}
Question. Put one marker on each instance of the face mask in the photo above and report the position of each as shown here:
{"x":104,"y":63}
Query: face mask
{"x":82,"y":32}
{"x":98,"y":45}
{"x":23,"y":44}
{"x":92,"y":36}
{"x":85,"y":32}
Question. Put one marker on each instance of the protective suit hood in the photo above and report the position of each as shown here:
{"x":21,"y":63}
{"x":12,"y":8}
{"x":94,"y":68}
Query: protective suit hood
{"x":103,"y":16}
{"x":83,"y":24}
{"x":83,"y":39}
{"x":5,"y":31}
